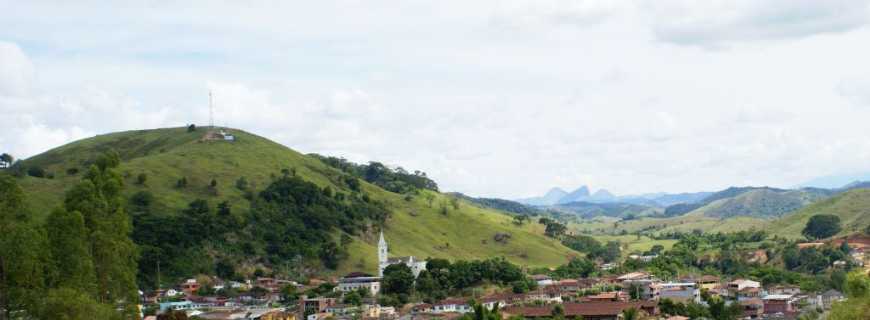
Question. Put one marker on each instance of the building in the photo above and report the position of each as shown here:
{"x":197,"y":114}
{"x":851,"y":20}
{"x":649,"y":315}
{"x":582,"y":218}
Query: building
{"x":779,"y":303}
{"x":190,"y":286}
{"x":679,"y":291}
{"x":354,"y":282}
{"x":825,"y":300}
{"x":708,"y":282}
{"x":542,"y":279}
{"x":744,"y":289}
{"x":634,"y":276}
{"x":314,"y":306}
{"x":613,"y":296}
{"x":752,"y":308}
{"x":643,"y":288}
{"x":457,"y":305}
{"x":585,"y":311}
{"x":384,"y":260}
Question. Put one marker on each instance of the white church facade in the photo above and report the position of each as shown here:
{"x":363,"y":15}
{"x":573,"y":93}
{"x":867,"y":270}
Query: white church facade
{"x":384,"y":260}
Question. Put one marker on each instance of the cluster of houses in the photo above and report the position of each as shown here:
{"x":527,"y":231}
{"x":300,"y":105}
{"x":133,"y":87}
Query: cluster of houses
{"x":599,"y":298}
{"x":603,"y":298}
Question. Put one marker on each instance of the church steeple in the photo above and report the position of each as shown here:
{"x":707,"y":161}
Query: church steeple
{"x":382,"y":254}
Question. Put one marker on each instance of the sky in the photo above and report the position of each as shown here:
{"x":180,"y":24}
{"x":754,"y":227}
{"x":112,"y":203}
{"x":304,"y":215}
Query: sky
{"x":490,"y":98}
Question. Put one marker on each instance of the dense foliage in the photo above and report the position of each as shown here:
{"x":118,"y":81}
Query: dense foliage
{"x":442,"y":277}
{"x":291,"y":221}
{"x":396,"y":180}
{"x":822,"y":226}
{"x":81,"y":263}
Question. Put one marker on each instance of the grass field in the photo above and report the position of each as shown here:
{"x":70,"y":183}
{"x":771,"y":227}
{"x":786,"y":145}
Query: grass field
{"x":166,"y":155}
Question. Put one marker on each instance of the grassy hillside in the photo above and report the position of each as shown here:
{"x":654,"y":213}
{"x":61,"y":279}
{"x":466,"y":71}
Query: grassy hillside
{"x":762,"y":203}
{"x":853,"y":208}
{"x":167,"y":155}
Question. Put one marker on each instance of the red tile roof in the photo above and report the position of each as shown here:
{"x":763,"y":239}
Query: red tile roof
{"x":580,"y":309}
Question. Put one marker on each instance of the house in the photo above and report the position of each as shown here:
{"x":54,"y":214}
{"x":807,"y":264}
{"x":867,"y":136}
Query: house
{"x":457,"y":305}
{"x":644,"y":288}
{"x":319,"y":316}
{"x":679,"y":292}
{"x":643,"y":258}
{"x":744,"y":289}
{"x":315,"y":305}
{"x":634,"y":276}
{"x":385,"y":261}
{"x":170,"y":293}
{"x":779,"y":303}
{"x":613,"y":296}
{"x":586,"y":310}
{"x":784,"y":289}
{"x":829,"y":297}
{"x":568,"y":285}
{"x":548,"y":294}
{"x":190,"y":286}
{"x":752,"y":308}
{"x":708,"y":282}
{"x":354,"y":282}
{"x":542,"y":279}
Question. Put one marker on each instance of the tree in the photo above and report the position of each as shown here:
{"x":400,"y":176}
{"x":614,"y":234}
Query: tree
{"x":398,"y":279}
{"x":719,"y":310}
{"x":141,"y":178}
{"x":191,"y":128}
{"x":6,"y":160}
{"x":181,"y":183}
{"x":630,"y":314}
{"x":72,"y":265}
{"x":98,"y":198}
{"x":22,"y":253}
{"x":558,"y":312}
{"x":822,"y":226}
{"x":242,"y":183}
{"x":72,"y":304}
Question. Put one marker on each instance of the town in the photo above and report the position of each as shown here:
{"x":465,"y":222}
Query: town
{"x":609,"y":296}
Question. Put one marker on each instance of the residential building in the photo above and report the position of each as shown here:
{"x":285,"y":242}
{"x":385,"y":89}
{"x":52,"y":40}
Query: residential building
{"x":829,"y":297}
{"x":190,"y":286}
{"x":354,"y":283}
{"x":708,"y":282}
{"x":679,"y":291}
{"x":779,"y":303}
{"x":585,"y":310}
{"x":457,"y":305}
{"x":752,"y":308}
{"x":613,"y":296}
{"x":643,"y":288}
{"x":542,"y":279}
{"x":315,"y":305}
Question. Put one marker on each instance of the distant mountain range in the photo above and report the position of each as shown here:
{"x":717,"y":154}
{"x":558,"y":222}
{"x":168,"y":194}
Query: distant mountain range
{"x":758,"y":202}
{"x":557,"y":196}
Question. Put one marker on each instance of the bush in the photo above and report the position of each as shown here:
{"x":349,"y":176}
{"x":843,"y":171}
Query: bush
{"x":141,"y":178}
{"x":181,"y":183}
{"x":72,"y":171}
{"x":36,"y":172}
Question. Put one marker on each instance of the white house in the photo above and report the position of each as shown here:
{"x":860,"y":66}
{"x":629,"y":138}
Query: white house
{"x":679,"y":291}
{"x":451,"y":305}
{"x":348,"y":284}
{"x":384,"y":260}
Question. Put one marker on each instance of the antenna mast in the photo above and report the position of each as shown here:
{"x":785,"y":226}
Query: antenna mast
{"x":210,"y":110}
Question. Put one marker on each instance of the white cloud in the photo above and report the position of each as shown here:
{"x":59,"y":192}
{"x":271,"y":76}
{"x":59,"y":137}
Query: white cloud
{"x":495,"y":98}
{"x":712,"y":23}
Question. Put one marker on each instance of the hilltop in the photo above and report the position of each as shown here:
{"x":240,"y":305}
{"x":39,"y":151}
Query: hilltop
{"x":853,"y":208}
{"x":424,"y":223}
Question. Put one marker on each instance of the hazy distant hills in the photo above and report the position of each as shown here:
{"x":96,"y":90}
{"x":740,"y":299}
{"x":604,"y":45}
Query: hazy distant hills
{"x":582,"y":194}
{"x":757,"y":202}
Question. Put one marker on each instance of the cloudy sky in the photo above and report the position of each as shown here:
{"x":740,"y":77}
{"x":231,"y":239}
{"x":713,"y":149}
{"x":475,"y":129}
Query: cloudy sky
{"x":491,"y":98}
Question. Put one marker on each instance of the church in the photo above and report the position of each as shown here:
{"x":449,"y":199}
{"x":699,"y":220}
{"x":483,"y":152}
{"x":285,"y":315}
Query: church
{"x":384,"y":260}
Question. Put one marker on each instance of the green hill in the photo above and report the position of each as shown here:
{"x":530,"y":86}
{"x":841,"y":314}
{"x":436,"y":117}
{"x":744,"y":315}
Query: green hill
{"x":425,"y":224}
{"x":761,"y":203}
{"x":853,"y":208}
